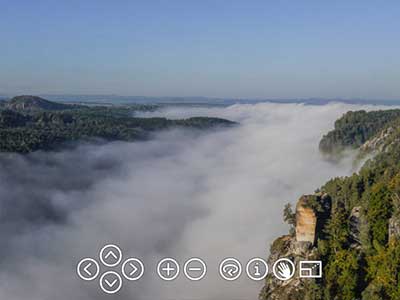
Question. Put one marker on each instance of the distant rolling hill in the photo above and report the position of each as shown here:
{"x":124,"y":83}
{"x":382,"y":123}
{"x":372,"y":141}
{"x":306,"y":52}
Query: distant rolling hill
{"x":30,"y":123}
{"x":34,"y":103}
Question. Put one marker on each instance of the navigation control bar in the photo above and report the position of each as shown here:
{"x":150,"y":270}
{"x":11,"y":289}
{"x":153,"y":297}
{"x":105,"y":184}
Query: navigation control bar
{"x":194,"y":269}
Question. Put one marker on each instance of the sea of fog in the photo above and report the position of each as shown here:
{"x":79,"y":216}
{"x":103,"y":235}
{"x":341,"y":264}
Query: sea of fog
{"x":180,"y":195}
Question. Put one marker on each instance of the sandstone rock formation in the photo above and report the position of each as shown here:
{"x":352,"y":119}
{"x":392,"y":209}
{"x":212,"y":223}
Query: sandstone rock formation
{"x":355,"y":225}
{"x":306,"y":221}
{"x":394,"y":228}
{"x":300,"y":247}
{"x":378,"y":142}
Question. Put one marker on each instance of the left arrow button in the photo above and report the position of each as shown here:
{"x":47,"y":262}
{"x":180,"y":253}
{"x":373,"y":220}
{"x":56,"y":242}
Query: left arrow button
{"x":88,"y":269}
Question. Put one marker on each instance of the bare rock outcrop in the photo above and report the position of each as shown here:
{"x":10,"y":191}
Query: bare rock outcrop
{"x":301,"y":246}
{"x":394,"y":228}
{"x":306,"y":221}
{"x":377,"y":143}
{"x":294,"y":288}
{"x":355,"y":226}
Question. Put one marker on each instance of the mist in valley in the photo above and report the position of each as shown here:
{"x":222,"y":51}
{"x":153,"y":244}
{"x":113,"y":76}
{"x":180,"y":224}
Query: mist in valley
{"x":214,"y":195}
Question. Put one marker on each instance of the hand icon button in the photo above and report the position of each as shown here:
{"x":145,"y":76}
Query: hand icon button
{"x":283,"y":269}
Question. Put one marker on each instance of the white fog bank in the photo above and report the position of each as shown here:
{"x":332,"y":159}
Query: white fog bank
{"x":181,"y":195}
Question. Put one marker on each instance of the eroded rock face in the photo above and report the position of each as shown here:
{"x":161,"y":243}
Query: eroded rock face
{"x":378,"y":142}
{"x":306,"y":222}
{"x":394,"y":228}
{"x":294,"y":288}
{"x":312,"y":212}
{"x":355,"y":224}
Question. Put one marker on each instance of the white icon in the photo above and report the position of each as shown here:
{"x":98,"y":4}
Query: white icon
{"x":230,"y":269}
{"x":110,"y":255}
{"x":168,"y":269}
{"x":311,"y":269}
{"x":110,"y":282}
{"x":283,"y":269}
{"x":88,"y":269}
{"x":195,"y":269}
{"x":257,"y":269}
{"x":133,"y":269}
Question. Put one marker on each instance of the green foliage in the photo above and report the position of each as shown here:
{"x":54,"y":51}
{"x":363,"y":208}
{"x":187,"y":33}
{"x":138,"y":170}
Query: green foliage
{"x":378,"y":213}
{"x":369,"y":270}
{"x":46,"y":130}
{"x":289,"y":217}
{"x":280,"y":244}
{"x":355,"y":128}
{"x":337,"y":228}
{"x":341,"y":276}
{"x":384,"y":272}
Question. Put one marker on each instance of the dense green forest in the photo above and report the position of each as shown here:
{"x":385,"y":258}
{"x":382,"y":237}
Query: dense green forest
{"x":30,"y":123}
{"x":359,"y":241}
{"x":368,"y":268}
{"x":355,"y":127}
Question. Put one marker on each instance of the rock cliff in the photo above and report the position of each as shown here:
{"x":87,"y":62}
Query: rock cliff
{"x":353,"y":224}
{"x":311,"y":212}
{"x":306,"y":222}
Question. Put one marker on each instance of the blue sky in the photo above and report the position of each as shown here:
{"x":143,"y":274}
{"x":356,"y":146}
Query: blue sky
{"x":245,"y":49}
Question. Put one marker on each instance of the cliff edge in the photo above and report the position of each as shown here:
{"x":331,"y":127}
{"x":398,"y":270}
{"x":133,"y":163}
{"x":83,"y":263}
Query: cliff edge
{"x":352,"y":225}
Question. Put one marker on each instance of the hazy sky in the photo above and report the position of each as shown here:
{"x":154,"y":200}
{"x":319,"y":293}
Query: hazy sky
{"x":268,"y":49}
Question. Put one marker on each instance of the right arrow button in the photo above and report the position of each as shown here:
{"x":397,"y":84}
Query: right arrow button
{"x":133,"y":269}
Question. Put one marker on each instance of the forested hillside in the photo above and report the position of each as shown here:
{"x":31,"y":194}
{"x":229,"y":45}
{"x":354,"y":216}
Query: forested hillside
{"x":28,"y":124}
{"x":358,"y":233}
{"x":355,"y":127}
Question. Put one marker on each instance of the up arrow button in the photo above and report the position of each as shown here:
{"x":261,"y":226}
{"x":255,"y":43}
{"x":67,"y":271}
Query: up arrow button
{"x":110,"y":255}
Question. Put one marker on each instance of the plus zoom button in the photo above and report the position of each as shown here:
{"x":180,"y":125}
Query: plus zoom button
{"x":168,"y":269}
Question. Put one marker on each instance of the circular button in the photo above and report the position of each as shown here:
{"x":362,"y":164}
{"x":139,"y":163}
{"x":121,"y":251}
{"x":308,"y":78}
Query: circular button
{"x":283,"y":269}
{"x":195,"y":269}
{"x":168,"y":269}
{"x":88,"y":269}
{"x":133,"y":269}
{"x":230,"y":269}
{"x":257,"y":269}
{"x":110,"y":255}
{"x":110,"y":282}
